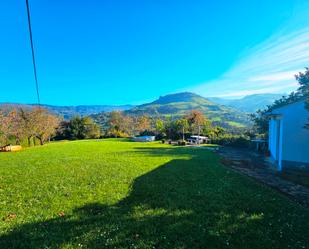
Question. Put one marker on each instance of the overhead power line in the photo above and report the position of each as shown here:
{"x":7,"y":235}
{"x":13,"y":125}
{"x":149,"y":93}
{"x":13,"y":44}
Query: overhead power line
{"x":33,"y":57}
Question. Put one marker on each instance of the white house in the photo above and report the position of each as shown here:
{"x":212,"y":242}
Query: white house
{"x":195,"y":139}
{"x":288,"y":139}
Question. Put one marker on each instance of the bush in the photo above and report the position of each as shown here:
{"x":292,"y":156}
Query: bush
{"x":147,"y":133}
{"x":182,"y":143}
{"x":232,"y":140}
{"x":117,"y":134}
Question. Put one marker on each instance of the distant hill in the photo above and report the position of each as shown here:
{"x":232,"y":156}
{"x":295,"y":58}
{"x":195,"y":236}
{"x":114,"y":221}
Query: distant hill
{"x":69,"y":111}
{"x":250,"y":103}
{"x":225,"y":112}
{"x":179,"y":104}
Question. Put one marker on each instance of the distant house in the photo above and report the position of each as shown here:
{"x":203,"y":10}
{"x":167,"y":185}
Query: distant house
{"x":288,"y":139}
{"x":198,"y":139}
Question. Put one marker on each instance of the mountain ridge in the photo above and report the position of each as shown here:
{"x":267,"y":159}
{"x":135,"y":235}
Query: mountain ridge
{"x":249,"y":103}
{"x":69,"y":111}
{"x":179,"y":104}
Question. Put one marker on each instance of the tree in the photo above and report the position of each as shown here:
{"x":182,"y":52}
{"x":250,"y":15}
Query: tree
{"x":159,"y":128}
{"x":260,"y":118}
{"x":62,"y":131}
{"x":207,"y":128}
{"x":183,"y":126}
{"x":218,"y":131}
{"x":15,"y":126}
{"x":79,"y":128}
{"x":76,"y":128}
{"x":260,"y":121}
{"x":120,"y":125}
{"x":21,"y":124}
{"x":143,"y":124}
{"x":196,"y":120}
{"x":28,"y":123}
{"x":45,"y":124}
{"x":92,"y":130}
{"x":303,"y":80}
{"x":3,"y":128}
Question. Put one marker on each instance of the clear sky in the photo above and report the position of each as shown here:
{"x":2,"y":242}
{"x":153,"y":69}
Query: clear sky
{"x":121,"y":52}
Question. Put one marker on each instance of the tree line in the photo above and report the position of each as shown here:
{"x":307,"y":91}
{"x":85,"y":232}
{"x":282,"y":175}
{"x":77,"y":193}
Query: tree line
{"x":118,"y":124}
{"x":27,"y":126}
{"x":37,"y":126}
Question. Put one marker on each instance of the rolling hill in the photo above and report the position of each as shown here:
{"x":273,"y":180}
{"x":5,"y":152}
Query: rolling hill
{"x":250,"y":103}
{"x":69,"y":111}
{"x":179,"y":104}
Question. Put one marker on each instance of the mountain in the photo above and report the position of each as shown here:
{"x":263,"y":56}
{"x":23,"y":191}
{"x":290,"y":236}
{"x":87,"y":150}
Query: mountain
{"x":179,"y":104}
{"x":250,"y":103}
{"x":69,"y":111}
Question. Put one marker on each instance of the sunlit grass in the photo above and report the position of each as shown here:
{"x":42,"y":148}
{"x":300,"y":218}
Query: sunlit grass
{"x":118,"y":194}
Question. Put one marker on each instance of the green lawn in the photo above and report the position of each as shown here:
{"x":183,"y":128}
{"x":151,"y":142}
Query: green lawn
{"x":118,"y":194}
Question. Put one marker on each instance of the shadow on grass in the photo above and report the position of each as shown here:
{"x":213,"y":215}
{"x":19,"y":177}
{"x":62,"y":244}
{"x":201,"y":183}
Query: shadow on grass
{"x":181,"y":204}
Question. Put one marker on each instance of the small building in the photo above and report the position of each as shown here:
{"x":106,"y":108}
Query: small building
{"x":198,"y":139}
{"x":288,"y":137}
{"x":144,"y":139}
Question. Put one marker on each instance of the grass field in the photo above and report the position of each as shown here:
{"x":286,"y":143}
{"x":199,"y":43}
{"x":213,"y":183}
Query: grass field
{"x":118,"y":194}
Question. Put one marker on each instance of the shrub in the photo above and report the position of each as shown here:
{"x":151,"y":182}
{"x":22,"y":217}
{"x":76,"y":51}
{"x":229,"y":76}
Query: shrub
{"x":232,"y":140}
{"x":182,"y":143}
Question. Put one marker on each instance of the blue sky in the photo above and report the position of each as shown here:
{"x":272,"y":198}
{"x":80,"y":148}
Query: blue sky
{"x":120,"y":52}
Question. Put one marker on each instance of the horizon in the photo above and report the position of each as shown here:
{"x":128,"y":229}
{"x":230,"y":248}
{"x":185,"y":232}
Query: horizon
{"x":115,"y":53}
{"x":142,"y":103}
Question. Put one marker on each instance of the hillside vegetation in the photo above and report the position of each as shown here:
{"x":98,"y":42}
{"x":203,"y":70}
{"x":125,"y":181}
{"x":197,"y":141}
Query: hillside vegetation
{"x":180,"y":104}
{"x":68,"y":112}
{"x":250,"y":103}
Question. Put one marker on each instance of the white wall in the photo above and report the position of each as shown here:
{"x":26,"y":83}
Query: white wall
{"x":295,"y":143}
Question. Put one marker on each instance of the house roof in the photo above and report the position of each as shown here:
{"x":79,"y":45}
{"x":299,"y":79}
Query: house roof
{"x":292,"y":103}
{"x":286,"y":105}
{"x":201,"y":137}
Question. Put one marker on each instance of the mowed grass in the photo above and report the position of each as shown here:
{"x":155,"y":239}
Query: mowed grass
{"x":119,"y":194}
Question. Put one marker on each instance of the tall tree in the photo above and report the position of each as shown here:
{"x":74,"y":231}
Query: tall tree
{"x":303,"y":80}
{"x":260,"y":122}
{"x":76,"y":129}
{"x":3,"y":128}
{"x":15,"y":126}
{"x":183,"y":126}
{"x":143,"y":124}
{"x":28,"y":123}
{"x":92,"y":130}
{"x":45,"y":124}
{"x":196,"y":120}
{"x":160,"y":127}
{"x":119,"y":124}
